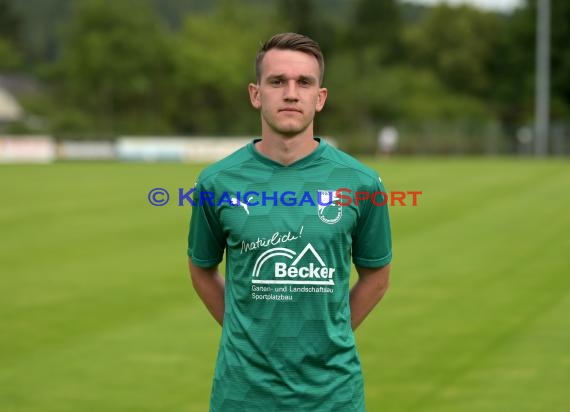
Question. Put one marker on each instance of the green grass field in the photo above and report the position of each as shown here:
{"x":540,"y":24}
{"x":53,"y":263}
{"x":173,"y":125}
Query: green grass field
{"x":98,"y":314}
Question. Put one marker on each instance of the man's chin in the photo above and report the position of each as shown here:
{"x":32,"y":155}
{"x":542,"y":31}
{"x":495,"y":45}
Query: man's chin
{"x":291,"y":130}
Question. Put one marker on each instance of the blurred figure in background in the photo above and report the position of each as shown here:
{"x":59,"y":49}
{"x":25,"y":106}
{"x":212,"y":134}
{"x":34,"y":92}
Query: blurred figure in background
{"x":387,"y":140}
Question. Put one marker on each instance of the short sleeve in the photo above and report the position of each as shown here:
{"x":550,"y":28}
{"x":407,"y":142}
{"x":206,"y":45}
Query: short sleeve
{"x":206,"y":241}
{"x":372,"y":239}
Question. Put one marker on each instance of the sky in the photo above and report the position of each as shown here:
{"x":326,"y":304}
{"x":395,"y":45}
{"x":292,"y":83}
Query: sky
{"x":504,"y":5}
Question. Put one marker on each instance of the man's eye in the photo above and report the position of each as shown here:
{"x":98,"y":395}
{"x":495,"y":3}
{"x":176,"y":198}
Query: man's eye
{"x":304,"y":83}
{"x":276,"y":82}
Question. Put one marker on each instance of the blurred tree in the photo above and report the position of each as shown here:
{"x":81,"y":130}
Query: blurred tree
{"x":116,"y":65}
{"x":515,"y":65}
{"x":300,"y":16}
{"x":513,"y":68}
{"x":377,"y":27}
{"x":458,"y":45}
{"x":308,"y":17}
{"x":119,"y":70}
{"x":174,"y":11}
{"x":214,"y":62}
{"x":10,"y":55}
{"x":10,"y":23}
{"x":40,"y":20}
{"x":391,"y":94}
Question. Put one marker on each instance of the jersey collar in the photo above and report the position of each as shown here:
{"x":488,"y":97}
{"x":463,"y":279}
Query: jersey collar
{"x":315,"y":154}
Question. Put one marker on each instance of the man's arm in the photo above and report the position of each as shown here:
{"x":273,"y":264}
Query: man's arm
{"x":210,"y":288}
{"x":367,"y":292}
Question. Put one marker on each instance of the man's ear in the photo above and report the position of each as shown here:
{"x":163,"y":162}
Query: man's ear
{"x":321,"y":99}
{"x":254,"y":95}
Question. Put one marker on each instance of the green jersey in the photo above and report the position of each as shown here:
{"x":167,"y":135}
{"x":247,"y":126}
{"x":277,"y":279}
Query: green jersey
{"x":289,"y":233}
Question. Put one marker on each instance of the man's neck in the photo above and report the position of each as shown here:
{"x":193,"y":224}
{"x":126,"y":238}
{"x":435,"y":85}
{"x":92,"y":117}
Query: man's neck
{"x":287,"y":150}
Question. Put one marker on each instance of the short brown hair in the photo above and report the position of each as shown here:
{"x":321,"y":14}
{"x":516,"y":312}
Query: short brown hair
{"x":291,"y":41}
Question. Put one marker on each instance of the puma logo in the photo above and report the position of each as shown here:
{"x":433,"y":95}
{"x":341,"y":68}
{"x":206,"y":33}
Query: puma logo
{"x":235,"y":202}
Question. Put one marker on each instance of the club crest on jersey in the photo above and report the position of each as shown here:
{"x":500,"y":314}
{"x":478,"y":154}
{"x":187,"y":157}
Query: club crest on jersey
{"x":327,"y":208}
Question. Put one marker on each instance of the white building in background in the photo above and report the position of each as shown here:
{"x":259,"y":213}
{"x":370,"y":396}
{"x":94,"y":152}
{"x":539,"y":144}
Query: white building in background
{"x":13,"y":88}
{"x":10,"y":109}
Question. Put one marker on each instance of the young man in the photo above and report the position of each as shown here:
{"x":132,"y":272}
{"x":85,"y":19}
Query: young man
{"x":283,"y":209}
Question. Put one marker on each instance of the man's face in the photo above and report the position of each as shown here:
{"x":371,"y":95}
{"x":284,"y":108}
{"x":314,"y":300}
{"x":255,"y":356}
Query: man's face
{"x":288,"y":93}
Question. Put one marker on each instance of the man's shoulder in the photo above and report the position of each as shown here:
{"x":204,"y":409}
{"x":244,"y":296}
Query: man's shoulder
{"x":343,"y":159}
{"x":236,"y":159}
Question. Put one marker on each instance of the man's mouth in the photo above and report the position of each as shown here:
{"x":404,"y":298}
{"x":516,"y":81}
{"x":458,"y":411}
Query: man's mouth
{"x":290,"y":110}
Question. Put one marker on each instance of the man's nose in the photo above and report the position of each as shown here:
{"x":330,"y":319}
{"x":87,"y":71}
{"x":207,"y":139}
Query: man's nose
{"x":291,"y":90}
